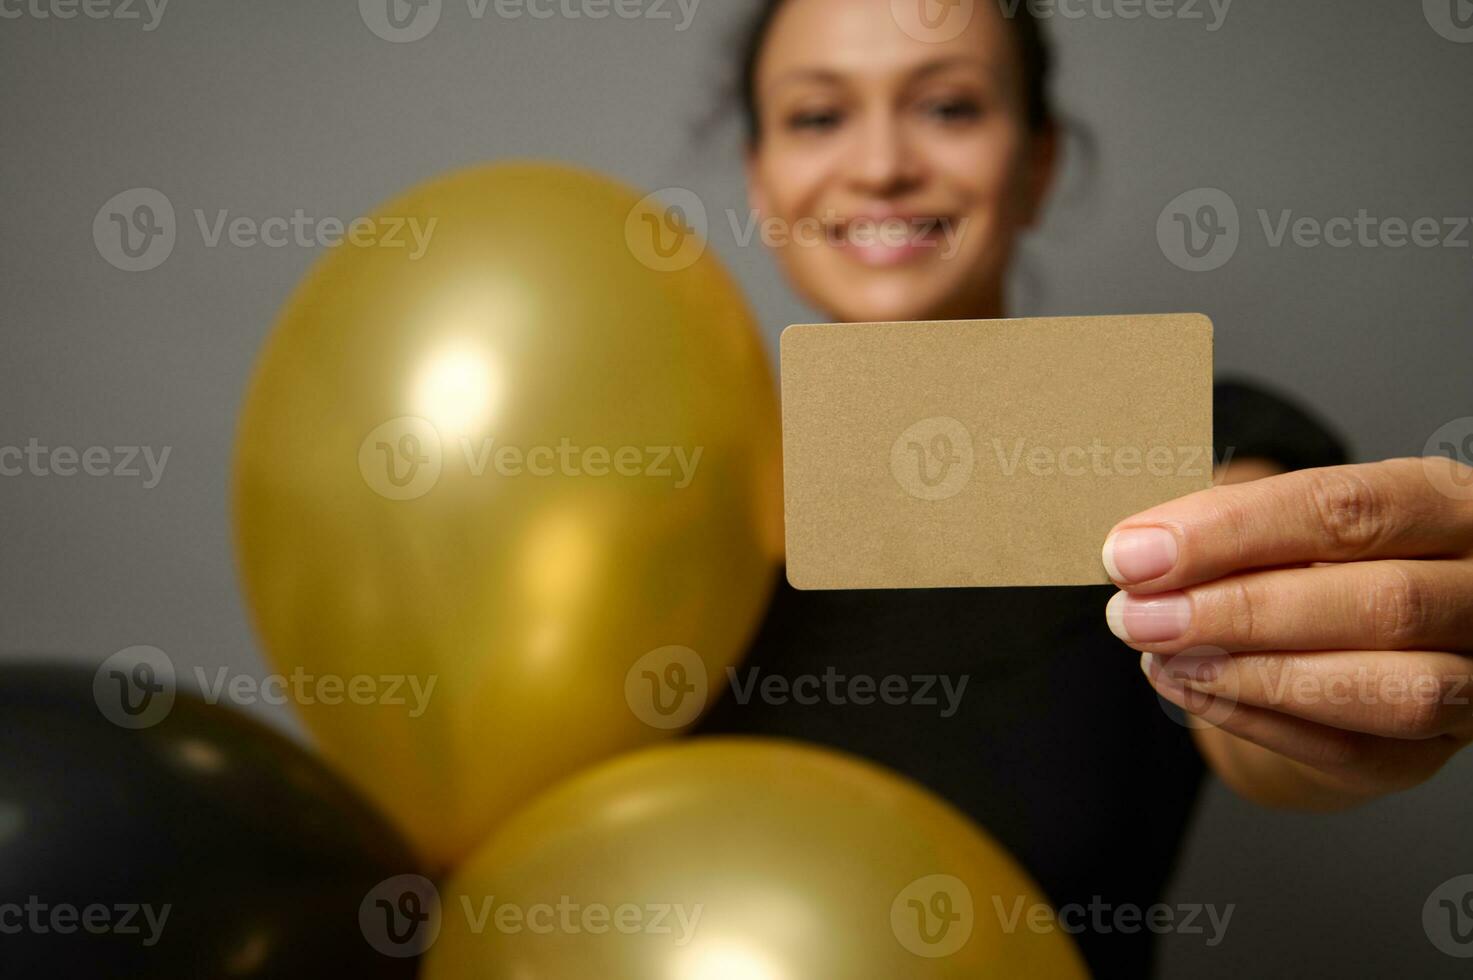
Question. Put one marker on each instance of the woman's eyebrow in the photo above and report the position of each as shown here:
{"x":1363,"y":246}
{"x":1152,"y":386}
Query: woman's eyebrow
{"x":831,"y":76}
{"x":824,"y":75}
{"x":957,"y":61}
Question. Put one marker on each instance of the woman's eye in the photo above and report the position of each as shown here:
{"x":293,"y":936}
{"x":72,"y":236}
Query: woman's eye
{"x":815,"y":120}
{"x":952,"y":110}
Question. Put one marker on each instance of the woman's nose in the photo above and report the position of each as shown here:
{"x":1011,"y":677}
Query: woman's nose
{"x":884,"y":162}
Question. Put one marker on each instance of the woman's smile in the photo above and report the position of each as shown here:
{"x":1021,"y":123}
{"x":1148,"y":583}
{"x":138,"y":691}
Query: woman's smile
{"x":881,"y":241}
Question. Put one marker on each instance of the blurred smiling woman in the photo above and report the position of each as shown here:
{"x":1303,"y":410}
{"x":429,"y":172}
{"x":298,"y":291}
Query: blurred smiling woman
{"x":925,"y":160}
{"x":925,"y":157}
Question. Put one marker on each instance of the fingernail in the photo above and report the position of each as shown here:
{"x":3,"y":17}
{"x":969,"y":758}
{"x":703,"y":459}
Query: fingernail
{"x":1167,"y":687}
{"x":1155,"y":671}
{"x":1148,"y":666}
{"x":1148,"y":619}
{"x":1139,"y":554}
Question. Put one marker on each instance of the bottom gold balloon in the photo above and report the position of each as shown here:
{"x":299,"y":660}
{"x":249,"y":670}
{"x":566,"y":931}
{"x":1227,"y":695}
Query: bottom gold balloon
{"x":743,"y":859}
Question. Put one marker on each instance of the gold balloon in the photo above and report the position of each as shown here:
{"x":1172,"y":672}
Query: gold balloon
{"x":502,"y":444}
{"x":743,"y":859}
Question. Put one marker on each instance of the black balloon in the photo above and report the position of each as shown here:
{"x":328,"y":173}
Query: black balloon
{"x":203,"y":845}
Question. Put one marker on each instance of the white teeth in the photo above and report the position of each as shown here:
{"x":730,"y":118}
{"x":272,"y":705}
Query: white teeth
{"x":889,"y":232}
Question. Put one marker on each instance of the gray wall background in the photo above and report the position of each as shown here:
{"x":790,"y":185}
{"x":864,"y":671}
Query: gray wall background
{"x":1323,"y":107}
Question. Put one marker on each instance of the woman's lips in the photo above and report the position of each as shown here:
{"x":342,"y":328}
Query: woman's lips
{"x":890,"y":241}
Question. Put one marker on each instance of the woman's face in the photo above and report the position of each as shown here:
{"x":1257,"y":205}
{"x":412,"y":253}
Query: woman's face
{"x":896,"y":172}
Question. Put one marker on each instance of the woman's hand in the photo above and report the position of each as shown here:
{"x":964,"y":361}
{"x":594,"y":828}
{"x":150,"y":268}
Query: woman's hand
{"x":1317,"y":625}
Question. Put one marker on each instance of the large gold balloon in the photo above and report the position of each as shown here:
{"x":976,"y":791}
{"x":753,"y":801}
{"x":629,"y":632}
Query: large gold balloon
{"x":498,"y":449}
{"x":743,"y":859}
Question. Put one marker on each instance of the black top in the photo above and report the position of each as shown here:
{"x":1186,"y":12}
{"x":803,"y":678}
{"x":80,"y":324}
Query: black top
{"x":1057,"y":745}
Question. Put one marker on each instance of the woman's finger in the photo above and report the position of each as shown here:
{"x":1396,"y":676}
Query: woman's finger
{"x":1372,"y":605}
{"x":1394,"y":509}
{"x":1353,"y":759}
{"x":1405,"y":695}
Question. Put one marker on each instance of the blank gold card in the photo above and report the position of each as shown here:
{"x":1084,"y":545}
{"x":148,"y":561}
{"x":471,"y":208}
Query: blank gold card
{"x":985,"y":452}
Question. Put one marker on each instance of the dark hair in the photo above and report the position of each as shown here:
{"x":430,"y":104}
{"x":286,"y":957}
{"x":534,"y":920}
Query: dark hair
{"x":1033,"y":48}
